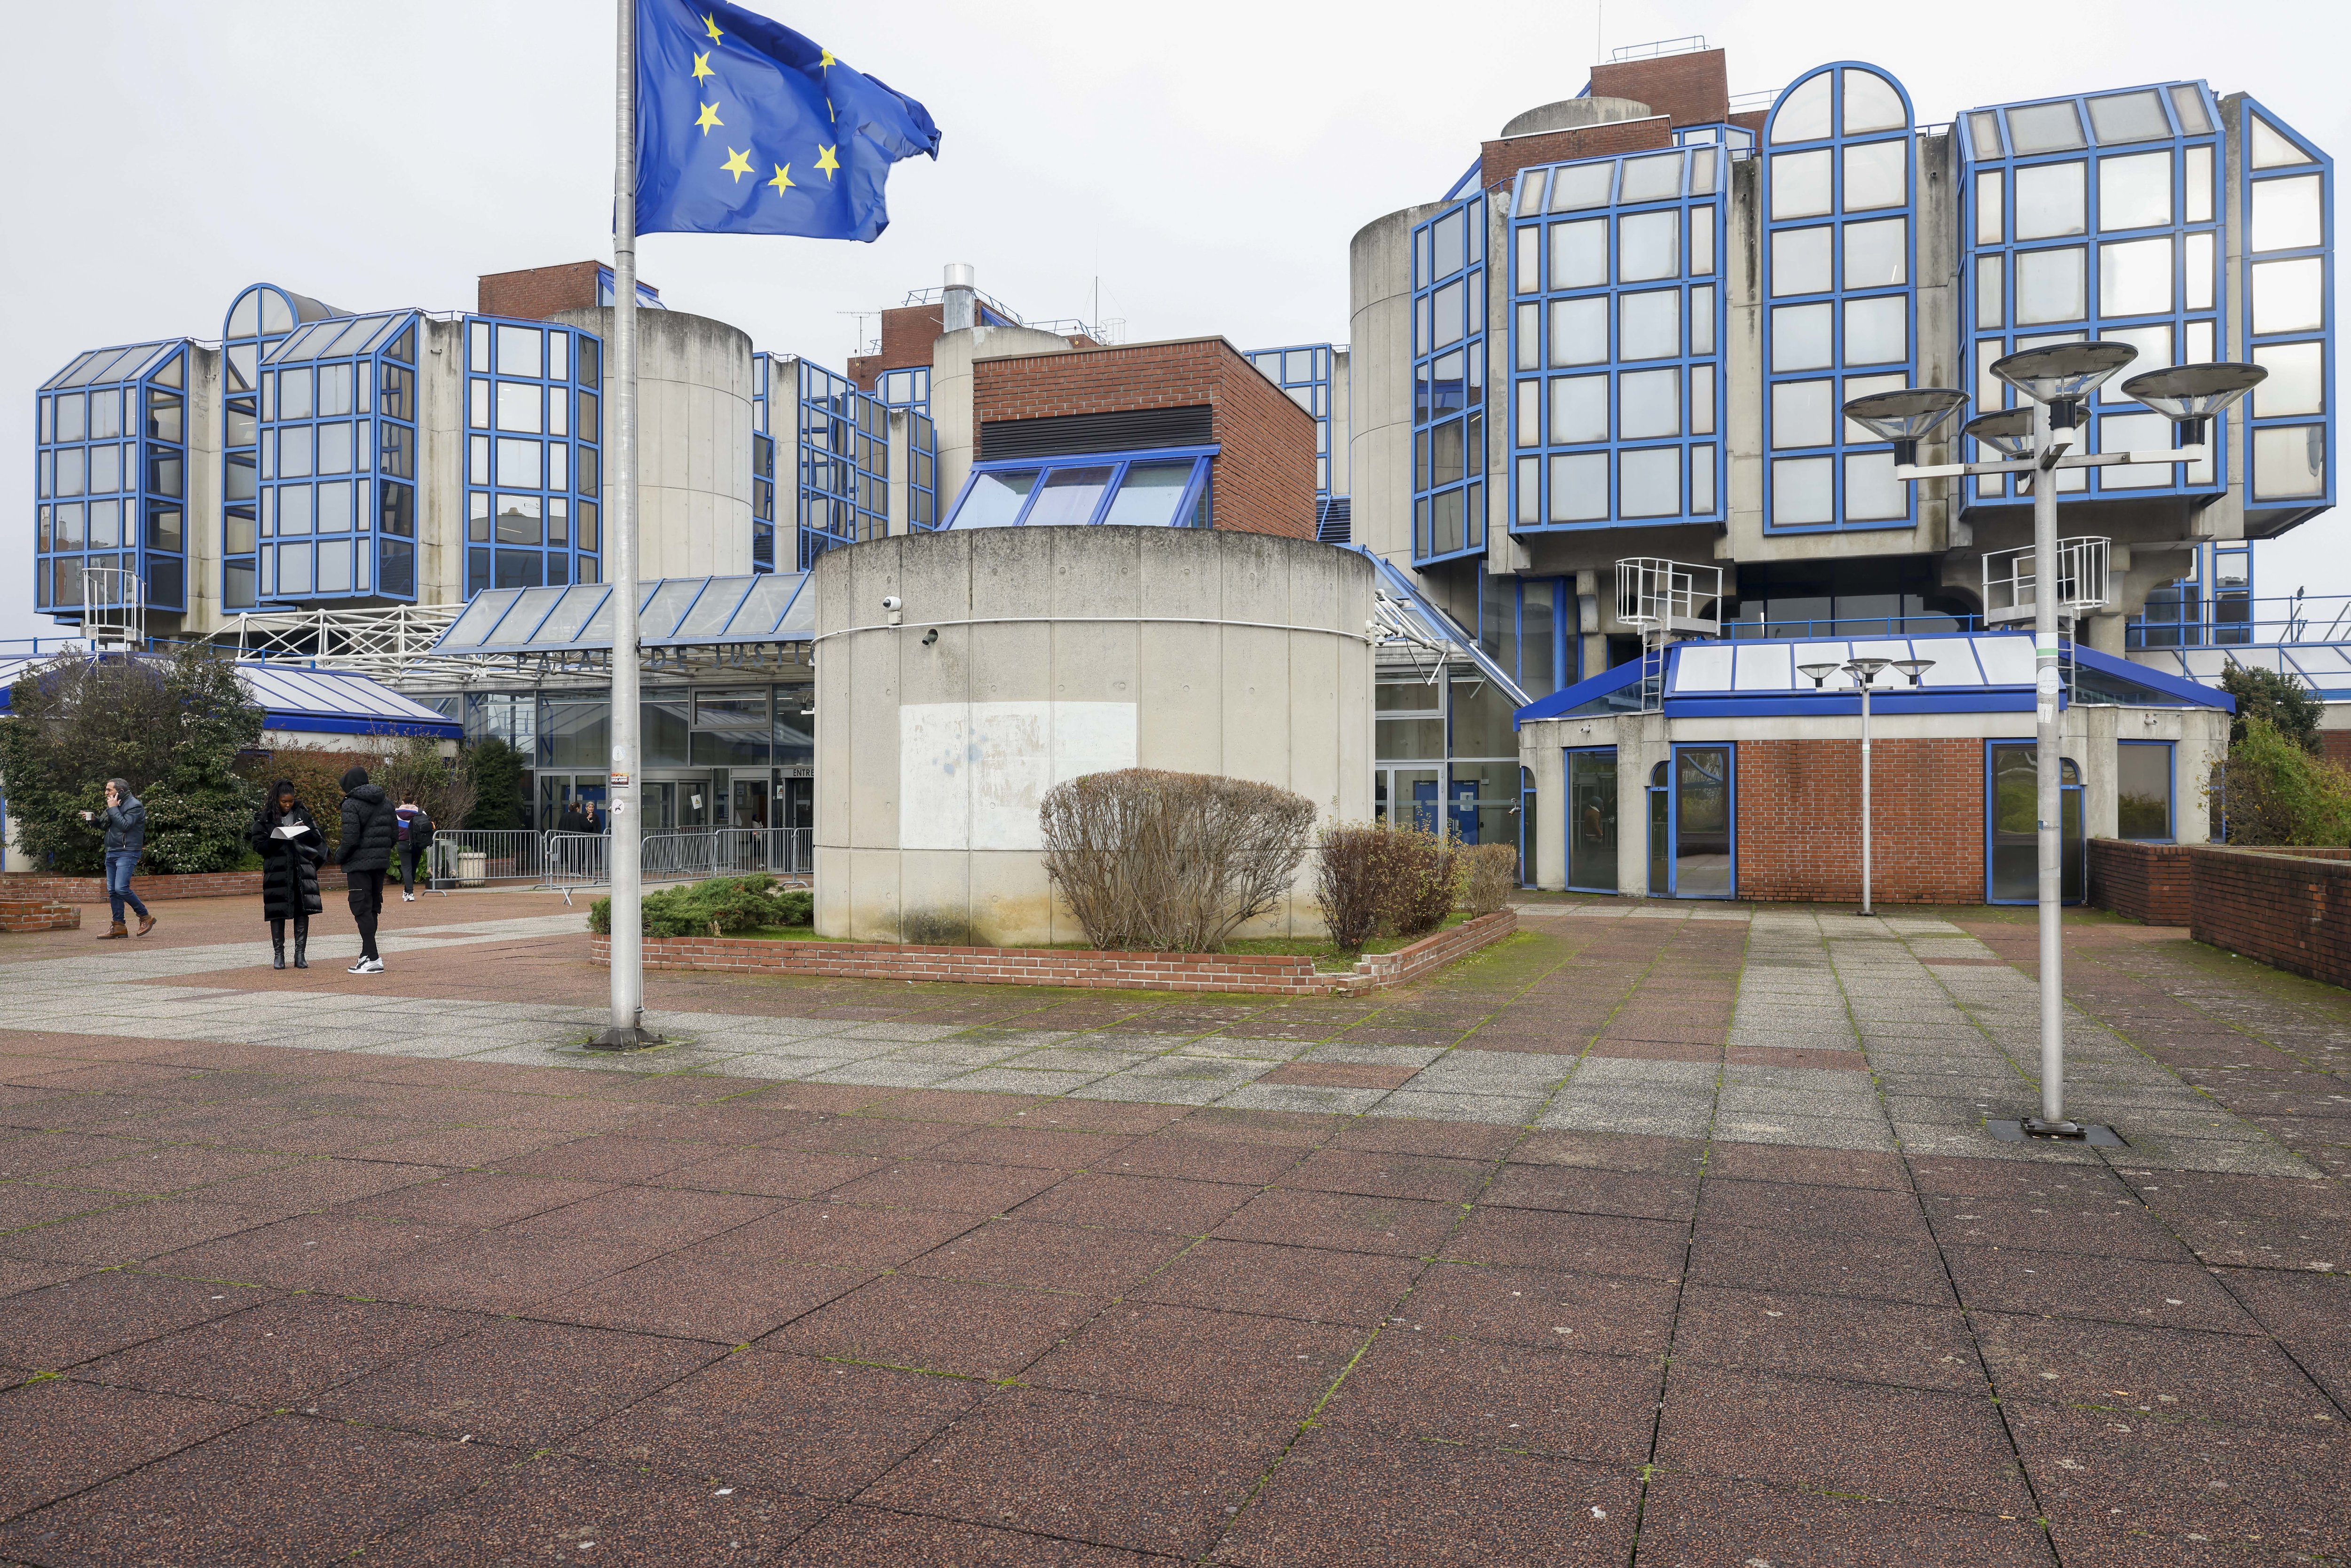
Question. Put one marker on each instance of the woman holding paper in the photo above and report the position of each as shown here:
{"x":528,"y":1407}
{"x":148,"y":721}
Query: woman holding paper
{"x":290,"y":847}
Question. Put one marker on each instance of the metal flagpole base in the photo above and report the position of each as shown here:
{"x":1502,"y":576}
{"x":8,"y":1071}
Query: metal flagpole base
{"x":633,"y":1038}
{"x":2033,"y":1129}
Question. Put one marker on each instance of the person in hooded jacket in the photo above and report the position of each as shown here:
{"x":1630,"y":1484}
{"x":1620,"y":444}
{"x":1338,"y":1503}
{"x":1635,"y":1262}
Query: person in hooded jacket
{"x":288,"y":839}
{"x":415,"y":835}
{"x":371,"y":831}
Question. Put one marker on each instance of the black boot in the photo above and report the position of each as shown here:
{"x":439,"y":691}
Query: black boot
{"x":302,"y":943}
{"x":277,"y":944}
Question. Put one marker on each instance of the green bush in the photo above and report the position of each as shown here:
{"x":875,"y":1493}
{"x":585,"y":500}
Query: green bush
{"x":2276,"y":698}
{"x":2269,"y":790}
{"x":714,"y":908}
{"x":494,"y":770}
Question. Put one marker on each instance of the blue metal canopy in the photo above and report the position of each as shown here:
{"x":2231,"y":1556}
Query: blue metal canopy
{"x":297,"y":698}
{"x":672,"y":612}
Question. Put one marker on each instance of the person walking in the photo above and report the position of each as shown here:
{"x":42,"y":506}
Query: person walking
{"x":126,"y":839}
{"x":370,"y":830}
{"x":415,"y":838}
{"x":286,"y":837}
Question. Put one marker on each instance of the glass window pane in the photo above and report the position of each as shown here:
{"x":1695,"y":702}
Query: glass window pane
{"x":1531,"y":191}
{"x":522,"y":350}
{"x":1701,"y":325}
{"x":2135,"y":193}
{"x":1877,"y":255}
{"x":2143,"y":791}
{"x":1649,"y":483}
{"x":2051,"y":285}
{"x":1862,"y":386}
{"x":2197,"y":270}
{"x":519,"y":406}
{"x":1877,"y":174}
{"x":1579,"y":254}
{"x":1148,"y":496}
{"x":1702,"y":400}
{"x":1876,"y":331}
{"x":1579,"y":487}
{"x":1578,"y":409}
{"x":2197,"y":202}
{"x":1530,"y":279}
{"x":1649,"y":403}
{"x":1579,"y":331}
{"x":2134,"y":433}
{"x":1068,"y":495}
{"x":2051,"y":201}
{"x":1448,"y":248}
{"x":334,"y":448}
{"x":1992,"y":223}
{"x":1800,"y":185}
{"x":294,"y":451}
{"x":294,"y":394}
{"x":2271,"y":149}
{"x":2129,"y":117}
{"x":1450,"y":315}
{"x":2189,"y":104}
{"x":1648,"y":245}
{"x":1803,"y":112}
{"x":2045,"y":127}
{"x":2154,"y":346}
{"x":1703,"y":164}
{"x":1528,"y":401}
{"x":1701,"y":484}
{"x":1799,"y":261}
{"x":2288,"y":461}
{"x":1650,"y":325}
{"x":1991,"y":309}
{"x":1654,"y":179}
{"x":2297,"y":382}
{"x":1702,"y":826}
{"x":2135,"y":278}
{"x":293,"y":509}
{"x":1983,"y":133}
{"x":1701,"y":242}
{"x":2286,"y":296}
{"x":1526,"y":337}
{"x":1800,"y":414}
{"x":1801,"y":490}
{"x":1871,"y":103}
{"x":2286,"y":214}
{"x":1871,"y":493}
{"x":519,"y":520}
{"x":335,"y":508}
{"x":1581,"y":185}
{"x":520,"y":462}
{"x":1800,"y":337}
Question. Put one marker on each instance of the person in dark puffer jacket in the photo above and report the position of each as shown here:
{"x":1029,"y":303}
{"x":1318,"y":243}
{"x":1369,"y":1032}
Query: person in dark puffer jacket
{"x":371,"y":829}
{"x":288,"y":842}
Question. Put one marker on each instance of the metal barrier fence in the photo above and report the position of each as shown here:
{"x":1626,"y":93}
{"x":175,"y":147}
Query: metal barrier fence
{"x":476,"y":857}
{"x":584,"y":860}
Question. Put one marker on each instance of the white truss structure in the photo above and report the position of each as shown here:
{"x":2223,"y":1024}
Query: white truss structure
{"x":391,"y":644}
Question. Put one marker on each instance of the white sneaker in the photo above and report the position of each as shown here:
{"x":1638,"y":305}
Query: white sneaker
{"x":359,"y":967}
{"x":371,"y":966}
{"x":407,"y":898}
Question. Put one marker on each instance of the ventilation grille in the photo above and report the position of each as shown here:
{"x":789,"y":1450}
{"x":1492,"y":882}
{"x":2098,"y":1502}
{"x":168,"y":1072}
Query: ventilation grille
{"x":1333,"y":522}
{"x":1129,"y":430}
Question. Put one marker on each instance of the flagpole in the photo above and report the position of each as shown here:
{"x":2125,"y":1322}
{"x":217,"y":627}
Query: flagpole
{"x":621,"y":555}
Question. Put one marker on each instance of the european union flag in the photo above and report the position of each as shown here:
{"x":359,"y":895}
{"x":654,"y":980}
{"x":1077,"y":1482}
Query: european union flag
{"x":744,"y":127}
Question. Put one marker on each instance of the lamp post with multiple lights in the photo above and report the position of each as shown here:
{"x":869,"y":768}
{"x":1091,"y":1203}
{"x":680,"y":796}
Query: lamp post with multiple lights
{"x":2059,"y":379}
{"x":1863,"y":669}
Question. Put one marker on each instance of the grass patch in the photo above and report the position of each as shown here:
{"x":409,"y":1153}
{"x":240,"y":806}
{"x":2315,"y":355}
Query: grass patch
{"x":1325,"y":955}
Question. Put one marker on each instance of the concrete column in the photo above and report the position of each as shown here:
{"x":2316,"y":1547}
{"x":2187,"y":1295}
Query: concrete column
{"x":1379,"y":458}
{"x":952,"y":358}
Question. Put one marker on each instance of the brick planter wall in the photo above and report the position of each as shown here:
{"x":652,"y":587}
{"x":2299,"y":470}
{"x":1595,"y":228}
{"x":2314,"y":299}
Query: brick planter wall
{"x":38,"y":914}
{"x":20,"y":885}
{"x":1800,"y":820}
{"x":1274,"y":974}
{"x":2290,"y":908}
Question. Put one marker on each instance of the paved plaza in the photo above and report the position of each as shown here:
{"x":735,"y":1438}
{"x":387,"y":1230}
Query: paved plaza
{"x":1656,"y":1235}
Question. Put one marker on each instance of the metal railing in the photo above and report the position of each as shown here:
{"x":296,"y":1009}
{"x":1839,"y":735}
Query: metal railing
{"x":476,"y":857}
{"x":584,"y":860}
{"x":2226,"y":620}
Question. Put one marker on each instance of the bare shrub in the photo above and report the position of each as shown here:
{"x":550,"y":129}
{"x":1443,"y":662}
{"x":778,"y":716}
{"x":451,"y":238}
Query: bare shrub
{"x":1157,"y":860}
{"x":1351,"y":881}
{"x":1423,"y":871}
{"x":1490,"y":874}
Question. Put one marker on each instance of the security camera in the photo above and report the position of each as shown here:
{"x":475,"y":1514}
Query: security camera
{"x":892,"y":601}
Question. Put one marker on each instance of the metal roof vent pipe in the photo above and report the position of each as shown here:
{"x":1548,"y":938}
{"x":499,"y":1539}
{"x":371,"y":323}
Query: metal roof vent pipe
{"x":962,"y":291}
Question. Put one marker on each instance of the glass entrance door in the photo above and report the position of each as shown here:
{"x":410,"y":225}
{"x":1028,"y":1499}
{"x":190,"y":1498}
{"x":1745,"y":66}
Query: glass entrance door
{"x":2012,"y":844}
{"x":1405,"y":796}
{"x":1703,"y":836}
{"x":1661,"y":831}
{"x":658,"y":803}
{"x":1592,"y":820}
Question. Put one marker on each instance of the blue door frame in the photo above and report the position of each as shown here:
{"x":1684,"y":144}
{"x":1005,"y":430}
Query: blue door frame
{"x":2071,"y":799}
{"x":1730,"y":814}
{"x":1572,"y":827}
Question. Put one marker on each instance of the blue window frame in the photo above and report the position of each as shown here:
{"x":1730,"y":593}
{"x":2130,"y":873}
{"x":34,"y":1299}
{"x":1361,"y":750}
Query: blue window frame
{"x":259,"y":320}
{"x":331,"y":513}
{"x":904,"y":389}
{"x":1616,"y":327}
{"x":1165,"y":488}
{"x":1302,"y":370}
{"x":2095,"y":217}
{"x":534,"y":455}
{"x":2211,"y":606}
{"x":2289,"y":319}
{"x":2146,"y":791}
{"x":1589,"y":825}
{"x":843,"y":492}
{"x":763,"y":467}
{"x":1840,"y":263}
{"x":1449,"y":399}
{"x":1522,"y":626}
{"x":111,"y":478}
{"x":2012,"y":841}
{"x":921,"y":469}
{"x":648,"y":296}
{"x":1704,"y":816}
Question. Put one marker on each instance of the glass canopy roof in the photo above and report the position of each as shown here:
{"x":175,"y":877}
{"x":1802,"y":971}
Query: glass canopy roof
{"x":295,"y":696}
{"x":101,"y":366}
{"x":676,"y":611}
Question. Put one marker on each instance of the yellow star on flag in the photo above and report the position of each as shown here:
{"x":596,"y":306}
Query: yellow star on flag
{"x":737,"y":163}
{"x":702,"y":67}
{"x":826,"y":161}
{"x":825,"y":61}
{"x":709,"y":117}
{"x":783,"y":180}
{"x":711,"y":22}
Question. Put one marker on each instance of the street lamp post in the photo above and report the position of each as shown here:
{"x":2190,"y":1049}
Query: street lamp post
{"x":2060,"y":379}
{"x":1863,"y":669}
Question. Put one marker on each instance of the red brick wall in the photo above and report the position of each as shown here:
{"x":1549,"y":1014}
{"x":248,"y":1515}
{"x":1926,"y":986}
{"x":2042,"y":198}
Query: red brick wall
{"x":2288,"y":909}
{"x":1264,"y":477}
{"x":2337,"y":745}
{"x":1693,"y":88}
{"x":1084,"y":968}
{"x":2151,"y":883}
{"x":1499,"y":162}
{"x":907,"y":333}
{"x":536,"y":293}
{"x":1800,"y":820}
{"x":21,"y":885}
{"x":38,"y":914}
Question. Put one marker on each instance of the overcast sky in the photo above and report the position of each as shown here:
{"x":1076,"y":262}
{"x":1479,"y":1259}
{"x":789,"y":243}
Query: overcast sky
{"x":1206,"y":162}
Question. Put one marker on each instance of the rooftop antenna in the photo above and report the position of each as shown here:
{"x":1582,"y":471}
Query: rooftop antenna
{"x":862,"y":346}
